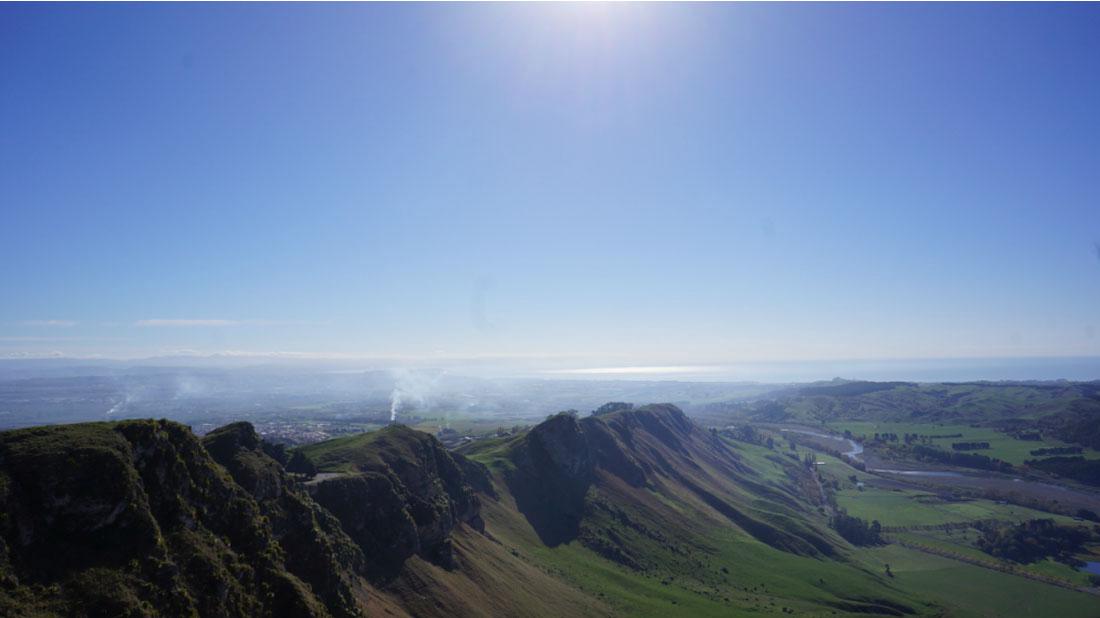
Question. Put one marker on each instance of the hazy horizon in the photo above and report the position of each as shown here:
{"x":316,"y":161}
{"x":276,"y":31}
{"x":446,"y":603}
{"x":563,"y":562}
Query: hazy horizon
{"x":575,"y":369}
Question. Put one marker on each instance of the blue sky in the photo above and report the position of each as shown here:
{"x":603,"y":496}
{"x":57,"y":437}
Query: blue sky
{"x":638,"y":184}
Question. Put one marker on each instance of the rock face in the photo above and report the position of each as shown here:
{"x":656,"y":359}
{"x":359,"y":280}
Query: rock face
{"x":403,"y":495}
{"x":141,"y":518}
{"x":318,"y":550}
{"x":135,"y":519}
{"x":557,"y":461}
{"x":563,"y":463}
{"x":554,"y":467}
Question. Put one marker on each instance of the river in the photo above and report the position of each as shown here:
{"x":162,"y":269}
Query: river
{"x":1069,"y":497}
{"x":855,"y":449}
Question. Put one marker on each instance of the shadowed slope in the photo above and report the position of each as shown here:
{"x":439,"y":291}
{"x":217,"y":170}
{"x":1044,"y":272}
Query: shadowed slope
{"x":412,"y":507}
{"x":655,"y":449}
{"x":402,"y":494}
{"x":658,"y":516}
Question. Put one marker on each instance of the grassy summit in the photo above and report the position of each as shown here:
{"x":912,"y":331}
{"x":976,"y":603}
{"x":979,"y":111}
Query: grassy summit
{"x":356,"y":452}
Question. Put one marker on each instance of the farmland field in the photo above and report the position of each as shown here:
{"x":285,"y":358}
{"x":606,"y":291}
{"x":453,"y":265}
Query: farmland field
{"x":911,"y":508}
{"x":963,"y":542}
{"x":1001,"y":445}
{"x":979,"y":592}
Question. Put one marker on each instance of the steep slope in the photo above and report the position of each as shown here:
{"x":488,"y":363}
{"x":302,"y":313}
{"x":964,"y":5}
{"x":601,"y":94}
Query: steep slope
{"x":414,"y":510}
{"x":141,"y":518}
{"x":401,"y":494}
{"x":656,"y":515}
{"x":655,"y":448}
{"x":321,"y":554}
{"x":134,"y":519}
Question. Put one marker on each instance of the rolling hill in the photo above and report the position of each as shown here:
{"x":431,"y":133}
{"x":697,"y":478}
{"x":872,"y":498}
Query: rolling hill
{"x":1067,"y":410}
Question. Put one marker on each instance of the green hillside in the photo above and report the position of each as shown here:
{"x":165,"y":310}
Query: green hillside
{"x":710,"y":502}
{"x":637,"y":512}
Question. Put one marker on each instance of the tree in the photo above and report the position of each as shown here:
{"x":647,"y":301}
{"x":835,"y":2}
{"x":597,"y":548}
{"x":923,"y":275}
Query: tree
{"x":747,"y":433}
{"x":612,"y":406}
{"x":301,"y":464}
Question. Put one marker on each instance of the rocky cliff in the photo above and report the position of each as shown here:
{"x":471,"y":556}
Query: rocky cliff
{"x":135,"y":519}
{"x":401,"y":493}
{"x":318,"y":550}
{"x":565,"y":468}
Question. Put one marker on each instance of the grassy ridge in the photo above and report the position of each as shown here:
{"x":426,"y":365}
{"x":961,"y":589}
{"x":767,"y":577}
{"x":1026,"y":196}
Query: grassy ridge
{"x":725,"y":571}
{"x":731,"y":573}
{"x":700,"y":564}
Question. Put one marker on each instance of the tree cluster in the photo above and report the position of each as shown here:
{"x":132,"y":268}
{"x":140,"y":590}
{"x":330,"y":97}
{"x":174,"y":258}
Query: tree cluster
{"x":612,"y":406}
{"x":857,"y":531}
{"x":1032,"y":541}
{"x":1088,"y":514}
{"x":1078,"y":468}
{"x":965,"y":460}
{"x":969,"y":446}
{"x":1057,"y":450}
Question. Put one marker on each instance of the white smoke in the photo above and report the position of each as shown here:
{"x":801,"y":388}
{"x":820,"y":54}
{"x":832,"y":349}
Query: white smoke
{"x":395,"y":403}
{"x":189,"y":386}
{"x":120,"y":405}
{"x":412,"y":388}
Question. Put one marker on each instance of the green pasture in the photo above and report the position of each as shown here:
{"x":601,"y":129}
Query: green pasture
{"x":973,"y":591}
{"x":1002,"y":445}
{"x":963,"y":542}
{"x":914,"y":507}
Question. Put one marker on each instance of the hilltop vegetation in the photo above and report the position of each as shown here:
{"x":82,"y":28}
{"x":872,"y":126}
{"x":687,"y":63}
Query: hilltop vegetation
{"x":403,"y":494}
{"x":136,"y":519}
